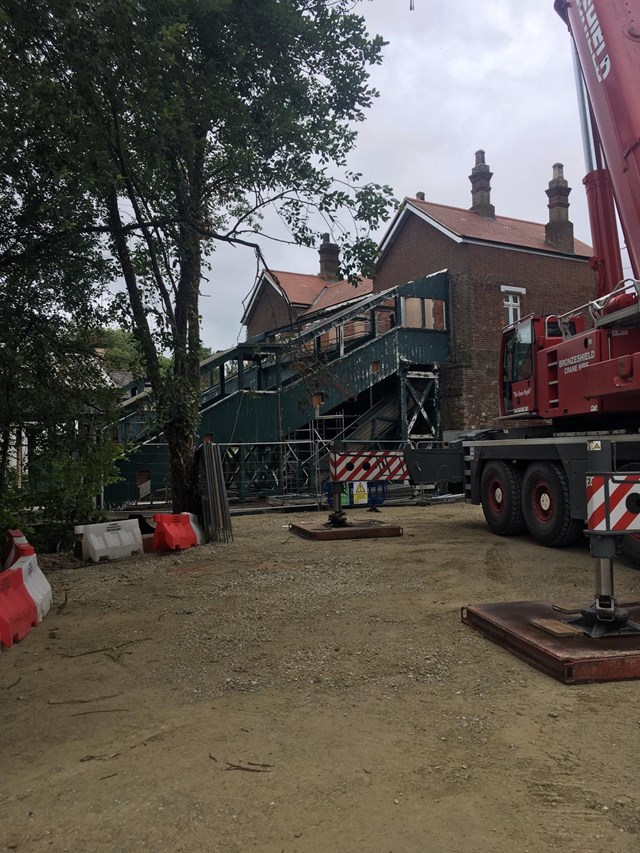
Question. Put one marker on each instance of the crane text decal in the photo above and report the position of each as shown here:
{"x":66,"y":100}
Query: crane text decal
{"x":576,"y":362}
{"x":595,"y":39}
{"x":518,"y":399}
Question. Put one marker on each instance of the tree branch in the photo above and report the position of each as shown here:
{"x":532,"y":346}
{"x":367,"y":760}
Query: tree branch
{"x":137,"y":306}
{"x":133,"y":193}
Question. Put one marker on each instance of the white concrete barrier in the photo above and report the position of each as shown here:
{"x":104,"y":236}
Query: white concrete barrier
{"x":110,"y":540}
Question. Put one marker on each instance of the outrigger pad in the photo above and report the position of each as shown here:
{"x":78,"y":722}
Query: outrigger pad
{"x":353,"y":530}
{"x":523,"y":628}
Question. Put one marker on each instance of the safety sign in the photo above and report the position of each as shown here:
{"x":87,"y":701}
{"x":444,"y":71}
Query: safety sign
{"x":360,"y":493}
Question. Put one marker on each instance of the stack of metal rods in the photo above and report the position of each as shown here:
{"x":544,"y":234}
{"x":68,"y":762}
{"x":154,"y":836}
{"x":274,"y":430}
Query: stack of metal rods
{"x":215,"y":502}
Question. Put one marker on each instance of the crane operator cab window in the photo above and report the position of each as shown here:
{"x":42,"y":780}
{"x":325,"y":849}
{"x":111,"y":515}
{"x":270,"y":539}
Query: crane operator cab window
{"x":517,"y":368}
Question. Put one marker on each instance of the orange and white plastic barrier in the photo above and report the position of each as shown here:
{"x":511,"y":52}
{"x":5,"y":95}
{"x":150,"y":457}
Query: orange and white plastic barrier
{"x":115,"y":539}
{"x":25,"y":593}
{"x":34,"y":580}
{"x":175,"y":532}
{"x":18,"y":611}
{"x":197,"y":529}
{"x":11,"y":552}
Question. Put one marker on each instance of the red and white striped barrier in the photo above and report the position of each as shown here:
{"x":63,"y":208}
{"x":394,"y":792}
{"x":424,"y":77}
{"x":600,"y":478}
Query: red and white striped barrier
{"x":34,"y":580}
{"x":25,"y":593}
{"x":613,"y":503}
{"x":18,"y":611}
{"x":366,"y":466}
{"x":11,"y":553}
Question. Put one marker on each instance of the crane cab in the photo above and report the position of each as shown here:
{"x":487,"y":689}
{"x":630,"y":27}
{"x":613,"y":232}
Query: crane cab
{"x":521,"y":342}
{"x":555,"y":368}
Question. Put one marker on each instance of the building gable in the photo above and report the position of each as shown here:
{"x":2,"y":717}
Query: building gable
{"x":466,"y":226}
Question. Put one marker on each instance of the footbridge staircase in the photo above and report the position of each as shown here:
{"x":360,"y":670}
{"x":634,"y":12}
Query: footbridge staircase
{"x":367,"y":371}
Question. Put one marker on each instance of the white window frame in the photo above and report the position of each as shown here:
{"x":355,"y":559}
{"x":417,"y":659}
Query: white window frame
{"x":511,"y":303}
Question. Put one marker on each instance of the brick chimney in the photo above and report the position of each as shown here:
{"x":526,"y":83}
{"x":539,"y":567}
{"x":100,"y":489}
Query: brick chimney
{"x":559,"y":230}
{"x":329,"y":259}
{"x":480,"y":178}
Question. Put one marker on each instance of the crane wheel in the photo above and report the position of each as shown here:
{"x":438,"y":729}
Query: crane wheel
{"x":546,"y":506}
{"x":500,"y":494}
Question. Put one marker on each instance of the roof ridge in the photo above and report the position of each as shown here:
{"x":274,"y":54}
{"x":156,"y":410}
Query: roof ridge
{"x":505,"y":230}
{"x":321,"y":281}
{"x":469,"y":210}
{"x":319,"y":296}
{"x":301,"y":274}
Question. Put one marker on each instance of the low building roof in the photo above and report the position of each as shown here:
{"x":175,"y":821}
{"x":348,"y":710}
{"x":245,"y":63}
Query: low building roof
{"x":300,"y":289}
{"x":309,"y":292}
{"x":336,"y":293}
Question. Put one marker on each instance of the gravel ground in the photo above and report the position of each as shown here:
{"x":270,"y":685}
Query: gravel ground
{"x":275,"y":694}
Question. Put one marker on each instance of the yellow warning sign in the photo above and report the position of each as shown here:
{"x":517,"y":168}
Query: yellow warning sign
{"x":360,"y":493}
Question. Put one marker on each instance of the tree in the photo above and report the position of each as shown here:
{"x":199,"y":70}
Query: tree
{"x":179,"y":122}
{"x":55,"y":392}
{"x":120,"y":351}
{"x":51,"y":278}
{"x":53,"y":271}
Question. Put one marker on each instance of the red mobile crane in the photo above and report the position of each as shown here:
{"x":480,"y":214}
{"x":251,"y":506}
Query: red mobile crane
{"x":552,"y":367}
{"x":580,"y":372}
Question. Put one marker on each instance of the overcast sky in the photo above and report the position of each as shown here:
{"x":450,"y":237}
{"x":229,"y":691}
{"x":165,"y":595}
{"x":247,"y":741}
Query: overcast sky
{"x":456,"y":76}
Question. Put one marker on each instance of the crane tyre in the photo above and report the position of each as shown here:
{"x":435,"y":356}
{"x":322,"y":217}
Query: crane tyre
{"x":630,"y":550}
{"x":546,"y":506}
{"x":500,"y":495}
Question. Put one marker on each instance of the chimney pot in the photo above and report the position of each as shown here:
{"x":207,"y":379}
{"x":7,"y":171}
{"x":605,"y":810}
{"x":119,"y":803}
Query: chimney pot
{"x":559,"y":229}
{"x":329,"y":259}
{"x":480,"y":178}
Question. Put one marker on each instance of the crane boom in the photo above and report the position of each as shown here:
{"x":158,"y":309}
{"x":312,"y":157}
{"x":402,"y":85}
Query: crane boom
{"x":607,"y":39}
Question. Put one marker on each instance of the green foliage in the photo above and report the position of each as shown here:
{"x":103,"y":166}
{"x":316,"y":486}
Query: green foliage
{"x":15,"y":508}
{"x":50,"y":378}
{"x":121,"y":351}
{"x":53,"y":388}
{"x":53,"y":271}
{"x":142,"y":132}
{"x":67,"y":472}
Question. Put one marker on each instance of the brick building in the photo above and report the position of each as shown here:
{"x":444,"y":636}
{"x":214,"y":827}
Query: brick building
{"x":500,"y":269}
{"x":282,"y":298}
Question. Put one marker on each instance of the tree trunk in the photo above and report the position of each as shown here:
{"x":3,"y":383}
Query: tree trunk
{"x":182,"y":432}
{"x":5,"y":443}
{"x":181,"y":442}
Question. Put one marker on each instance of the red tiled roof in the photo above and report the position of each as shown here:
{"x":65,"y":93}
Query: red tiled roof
{"x":316,"y":293}
{"x":341,"y":291}
{"x":310,"y":293}
{"x":301,"y":289}
{"x":502,"y":229}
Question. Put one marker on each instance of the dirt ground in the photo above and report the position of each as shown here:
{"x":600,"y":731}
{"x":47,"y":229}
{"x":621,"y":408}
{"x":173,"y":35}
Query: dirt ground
{"x":367,"y":717}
